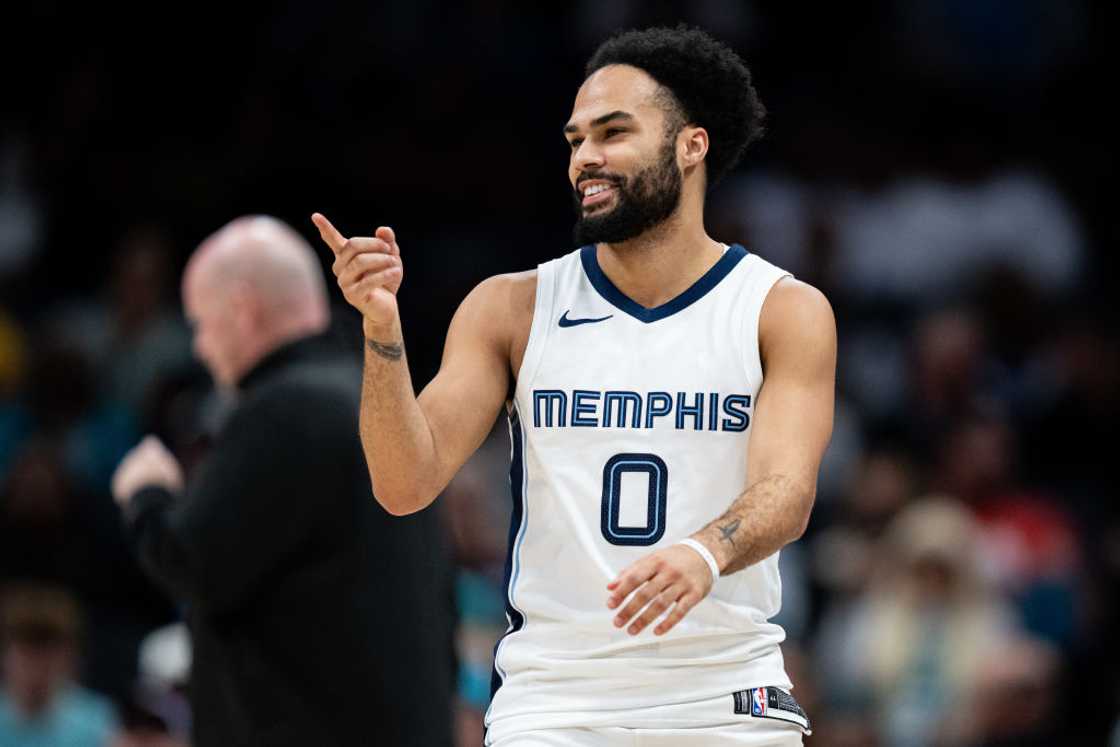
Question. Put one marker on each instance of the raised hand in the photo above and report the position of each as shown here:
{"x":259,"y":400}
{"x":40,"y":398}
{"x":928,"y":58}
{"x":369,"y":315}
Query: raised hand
{"x":148,"y":464}
{"x":368,"y":268}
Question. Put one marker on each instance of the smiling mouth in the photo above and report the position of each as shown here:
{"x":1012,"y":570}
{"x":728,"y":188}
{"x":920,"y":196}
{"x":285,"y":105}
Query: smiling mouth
{"x":597,"y":195}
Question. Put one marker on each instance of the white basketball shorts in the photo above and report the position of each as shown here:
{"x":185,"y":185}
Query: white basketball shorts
{"x":758,"y":717}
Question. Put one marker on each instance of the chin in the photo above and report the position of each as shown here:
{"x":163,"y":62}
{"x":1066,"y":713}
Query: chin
{"x":220,"y":379}
{"x":597,"y":212}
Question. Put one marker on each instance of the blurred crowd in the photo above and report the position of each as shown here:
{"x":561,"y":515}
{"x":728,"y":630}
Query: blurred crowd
{"x":934,"y":167}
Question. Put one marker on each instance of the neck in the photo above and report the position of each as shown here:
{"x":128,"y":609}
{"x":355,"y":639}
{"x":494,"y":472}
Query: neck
{"x":277,"y":337}
{"x":663,"y":262}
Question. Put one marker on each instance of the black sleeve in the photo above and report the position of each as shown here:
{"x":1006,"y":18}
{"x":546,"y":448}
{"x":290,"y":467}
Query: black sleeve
{"x":255,"y":501}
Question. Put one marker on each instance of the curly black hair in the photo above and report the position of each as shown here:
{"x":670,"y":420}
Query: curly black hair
{"x":709,"y":85}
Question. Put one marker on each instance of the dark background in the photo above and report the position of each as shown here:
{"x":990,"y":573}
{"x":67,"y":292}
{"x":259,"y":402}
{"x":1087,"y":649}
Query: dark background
{"x":940,"y":168}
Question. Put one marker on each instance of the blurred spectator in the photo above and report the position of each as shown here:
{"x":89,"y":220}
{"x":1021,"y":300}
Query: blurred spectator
{"x":1034,"y":552}
{"x":41,"y":524}
{"x":885,"y":481}
{"x":846,"y":557}
{"x":949,"y":361}
{"x":53,"y":530}
{"x":147,"y":338}
{"x":476,"y":508}
{"x":913,"y":646}
{"x":844,"y":550}
{"x":57,"y":520}
{"x":1014,"y":704}
{"x":977,"y":458}
{"x":133,"y":336}
{"x":1031,"y":546}
{"x":316,"y":617}
{"x":40,"y":704}
{"x":61,"y":403}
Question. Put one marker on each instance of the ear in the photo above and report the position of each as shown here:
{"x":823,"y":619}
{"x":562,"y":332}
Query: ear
{"x":244,"y":305}
{"x":692,"y":145}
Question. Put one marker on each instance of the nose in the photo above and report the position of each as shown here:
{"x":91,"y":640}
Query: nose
{"x":587,"y":156}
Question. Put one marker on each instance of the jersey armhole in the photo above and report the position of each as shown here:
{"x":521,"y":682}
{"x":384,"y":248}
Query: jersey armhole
{"x":539,"y":328}
{"x":768,"y":277}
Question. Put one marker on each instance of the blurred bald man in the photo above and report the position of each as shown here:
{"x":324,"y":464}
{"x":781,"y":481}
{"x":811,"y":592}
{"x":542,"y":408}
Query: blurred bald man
{"x":314,"y":622}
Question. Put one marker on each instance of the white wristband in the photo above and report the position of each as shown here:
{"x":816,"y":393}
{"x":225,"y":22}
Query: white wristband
{"x":705,"y":553}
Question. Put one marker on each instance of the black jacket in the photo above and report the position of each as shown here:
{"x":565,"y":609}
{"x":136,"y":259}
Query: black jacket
{"x":317,"y":618}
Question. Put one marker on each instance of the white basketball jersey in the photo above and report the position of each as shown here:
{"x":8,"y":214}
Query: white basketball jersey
{"x":630,"y":429}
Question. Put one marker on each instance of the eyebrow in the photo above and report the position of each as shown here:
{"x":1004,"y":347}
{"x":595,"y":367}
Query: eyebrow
{"x":599,"y":121}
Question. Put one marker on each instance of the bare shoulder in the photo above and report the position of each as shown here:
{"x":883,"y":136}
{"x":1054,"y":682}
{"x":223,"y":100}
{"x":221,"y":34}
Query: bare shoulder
{"x":512,"y":292}
{"x":797,"y":317}
{"x":501,"y":309}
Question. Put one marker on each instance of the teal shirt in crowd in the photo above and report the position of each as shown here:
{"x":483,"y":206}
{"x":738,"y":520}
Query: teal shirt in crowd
{"x":77,"y":718}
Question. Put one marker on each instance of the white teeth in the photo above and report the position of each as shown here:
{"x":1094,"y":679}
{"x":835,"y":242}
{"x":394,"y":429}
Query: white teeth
{"x":595,"y":189}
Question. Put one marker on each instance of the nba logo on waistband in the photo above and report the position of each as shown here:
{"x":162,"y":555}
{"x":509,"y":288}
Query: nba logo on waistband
{"x":758,"y":701}
{"x":770,"y":702}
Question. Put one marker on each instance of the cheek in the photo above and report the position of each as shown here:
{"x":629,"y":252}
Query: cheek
{"x":199,"y":342}
{"x":207,"y":342}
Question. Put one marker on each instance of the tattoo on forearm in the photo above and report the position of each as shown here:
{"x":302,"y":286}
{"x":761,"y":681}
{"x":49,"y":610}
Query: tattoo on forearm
{"x":759,"y":522}
{"x":391,"y":351}
{"x":728,"y":530}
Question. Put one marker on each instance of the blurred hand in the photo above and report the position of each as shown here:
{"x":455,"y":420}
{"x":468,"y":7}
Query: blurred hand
{"x":674,"y":574}
{"x":149,"y":464}
{"x":369,"y":270}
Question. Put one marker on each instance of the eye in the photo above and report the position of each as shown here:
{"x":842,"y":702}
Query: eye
{"x":612,"y":131}
{"x":575,"y":142}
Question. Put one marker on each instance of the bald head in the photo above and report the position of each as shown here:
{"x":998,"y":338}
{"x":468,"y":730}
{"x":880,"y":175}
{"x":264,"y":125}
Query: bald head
{"x":266,"y":255}
{"x":251,"y":287}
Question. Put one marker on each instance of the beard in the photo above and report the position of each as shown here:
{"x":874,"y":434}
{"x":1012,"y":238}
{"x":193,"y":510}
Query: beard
{"x":642,"y":202}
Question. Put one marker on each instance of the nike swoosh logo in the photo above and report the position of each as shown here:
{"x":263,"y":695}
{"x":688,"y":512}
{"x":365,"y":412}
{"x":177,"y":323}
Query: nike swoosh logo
{"x":566,"y":322}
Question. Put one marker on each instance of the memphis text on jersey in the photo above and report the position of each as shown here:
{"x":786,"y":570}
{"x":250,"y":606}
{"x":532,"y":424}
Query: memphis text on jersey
{"x":593,"y":408}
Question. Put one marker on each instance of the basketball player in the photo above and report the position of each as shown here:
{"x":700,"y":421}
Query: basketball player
{"x":669,"y":397}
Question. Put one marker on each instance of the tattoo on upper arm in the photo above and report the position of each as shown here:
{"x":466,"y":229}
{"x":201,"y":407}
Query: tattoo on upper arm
{"x":389,"y":351}
{"x":728,"y":530}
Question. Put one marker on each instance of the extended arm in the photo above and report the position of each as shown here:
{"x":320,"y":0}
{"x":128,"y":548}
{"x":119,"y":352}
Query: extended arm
{"x":414,"y":445}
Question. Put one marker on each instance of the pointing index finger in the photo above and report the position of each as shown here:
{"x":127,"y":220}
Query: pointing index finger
{"x":328,"y":232}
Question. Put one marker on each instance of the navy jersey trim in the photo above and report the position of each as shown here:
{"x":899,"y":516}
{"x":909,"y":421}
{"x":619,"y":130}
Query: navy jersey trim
{"x":517,"y":489}
{"x":599,"y":280}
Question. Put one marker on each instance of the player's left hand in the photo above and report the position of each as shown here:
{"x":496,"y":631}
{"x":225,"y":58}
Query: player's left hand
{"x":149,"y":464}
{"x":674,"y":576}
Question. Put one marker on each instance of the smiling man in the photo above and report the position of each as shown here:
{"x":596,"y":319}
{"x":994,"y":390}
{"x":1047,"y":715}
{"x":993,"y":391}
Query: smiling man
{"x":670,"y":398}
